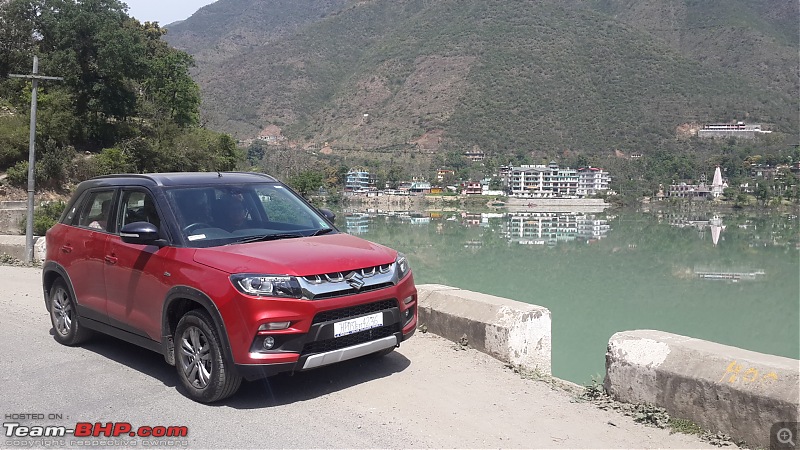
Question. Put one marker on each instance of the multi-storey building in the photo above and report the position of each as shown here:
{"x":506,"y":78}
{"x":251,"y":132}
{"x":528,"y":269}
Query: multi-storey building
{"x":475,"y":155}
{"x":471,"y":188}
{"x":738,"y":129}
{"x":442,"y":173}
{"x":357,"y":180}
{"x":592,"y":181}
{"x":543,"y":181}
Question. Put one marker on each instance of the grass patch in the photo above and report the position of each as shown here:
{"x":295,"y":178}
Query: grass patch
{"x":684,"y":426}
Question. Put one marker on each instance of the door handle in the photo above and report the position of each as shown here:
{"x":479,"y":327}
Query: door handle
{"x":111,"y":259}
{"x":66,"y":248}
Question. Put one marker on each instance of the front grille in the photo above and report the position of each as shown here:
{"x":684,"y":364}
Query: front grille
{"x":353,"y":311}
{"x":338,"y":277}
{"x":351,"y":291}
{"x":329,"y":345}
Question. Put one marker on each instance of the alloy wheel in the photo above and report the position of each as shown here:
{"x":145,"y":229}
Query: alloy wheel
{"x":62,"y":312}
{"x":195,"y":357}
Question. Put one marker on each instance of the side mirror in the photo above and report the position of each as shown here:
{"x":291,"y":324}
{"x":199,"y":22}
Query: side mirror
{"x":141,"y":233}
{"x":328,"y":214}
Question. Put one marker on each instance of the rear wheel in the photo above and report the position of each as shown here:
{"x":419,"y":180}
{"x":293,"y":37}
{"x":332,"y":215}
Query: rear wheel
{"x":201,"y":366}
{"x":64,"y":316}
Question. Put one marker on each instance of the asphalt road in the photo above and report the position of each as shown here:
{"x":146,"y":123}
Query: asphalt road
{"x":425,"y":394}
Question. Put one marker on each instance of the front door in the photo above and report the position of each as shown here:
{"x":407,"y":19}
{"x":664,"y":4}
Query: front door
{"x":136,"y":283}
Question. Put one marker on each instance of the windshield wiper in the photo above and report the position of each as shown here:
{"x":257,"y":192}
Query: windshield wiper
{"x":321,"y":231}
{"x":266,"y":237}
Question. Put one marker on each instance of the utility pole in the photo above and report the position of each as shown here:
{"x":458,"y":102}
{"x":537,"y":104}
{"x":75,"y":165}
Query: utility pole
{"x":34,"y":77}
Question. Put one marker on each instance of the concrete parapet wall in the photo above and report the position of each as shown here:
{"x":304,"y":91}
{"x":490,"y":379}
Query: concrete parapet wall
{"x":511,"y":331}
{"x":721,"y":388}
{"x":14,"y":246}
{"x":11,"y":219}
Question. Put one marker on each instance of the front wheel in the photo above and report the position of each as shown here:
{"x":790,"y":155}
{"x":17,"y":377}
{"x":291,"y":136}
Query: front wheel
{"x":64,"y":316}
{"x":201,"y":366}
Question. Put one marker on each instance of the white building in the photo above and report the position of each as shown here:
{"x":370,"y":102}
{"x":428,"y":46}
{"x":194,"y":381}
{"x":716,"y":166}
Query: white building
{"x":357,"y":180}
{"x":592,"y":181}
{"x":738,"y":129}
{"x":718,"y":185}
{"x":542,"y":181}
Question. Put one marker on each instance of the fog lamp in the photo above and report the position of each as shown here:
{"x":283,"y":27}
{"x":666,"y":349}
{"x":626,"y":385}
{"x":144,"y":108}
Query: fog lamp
{"x":269,"y":342}
{"x":274,"y":326}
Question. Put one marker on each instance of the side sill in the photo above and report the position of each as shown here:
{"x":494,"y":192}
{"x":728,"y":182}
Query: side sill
{"x":126,"y":336}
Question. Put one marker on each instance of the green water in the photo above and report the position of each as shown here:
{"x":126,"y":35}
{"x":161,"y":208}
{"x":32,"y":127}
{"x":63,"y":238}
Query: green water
{"x":639,"y":271}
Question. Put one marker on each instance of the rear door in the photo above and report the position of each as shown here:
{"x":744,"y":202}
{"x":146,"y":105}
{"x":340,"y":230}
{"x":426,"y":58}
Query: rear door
{"x":82,"y":250}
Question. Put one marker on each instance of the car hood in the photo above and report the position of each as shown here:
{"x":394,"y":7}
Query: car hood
{"x":297,"y":256}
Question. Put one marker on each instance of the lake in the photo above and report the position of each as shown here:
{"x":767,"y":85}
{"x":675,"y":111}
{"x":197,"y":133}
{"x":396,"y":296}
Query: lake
{"x":731,"y":277}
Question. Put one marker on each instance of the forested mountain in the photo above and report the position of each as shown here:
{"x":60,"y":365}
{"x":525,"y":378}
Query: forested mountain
{"x":586,"y":76}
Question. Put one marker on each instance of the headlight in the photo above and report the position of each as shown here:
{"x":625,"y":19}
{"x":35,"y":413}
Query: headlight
{"x":402,"y":266}
{"x":267,"y":285}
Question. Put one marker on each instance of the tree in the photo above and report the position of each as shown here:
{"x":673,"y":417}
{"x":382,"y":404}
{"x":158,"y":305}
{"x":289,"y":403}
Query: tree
{"x":170,"y":94}
{"x":99,"y":51}
{"x":16,"y":40}
{"x":762,"y":192}
{"x":306,"y":182}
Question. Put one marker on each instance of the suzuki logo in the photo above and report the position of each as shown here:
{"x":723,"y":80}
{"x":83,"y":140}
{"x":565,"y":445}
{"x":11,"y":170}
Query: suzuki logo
{"x":355,"y":280}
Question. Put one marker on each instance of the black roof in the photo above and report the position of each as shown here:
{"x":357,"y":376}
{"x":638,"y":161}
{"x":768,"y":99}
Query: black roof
{"x":180,"y":179}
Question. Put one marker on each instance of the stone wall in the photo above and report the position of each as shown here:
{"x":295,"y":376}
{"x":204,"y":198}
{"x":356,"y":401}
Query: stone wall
{"x":721,"y":388}
{"x":511,"y":331}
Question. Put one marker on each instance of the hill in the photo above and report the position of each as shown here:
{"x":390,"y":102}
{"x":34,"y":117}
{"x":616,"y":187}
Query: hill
{"x":589,"y":76}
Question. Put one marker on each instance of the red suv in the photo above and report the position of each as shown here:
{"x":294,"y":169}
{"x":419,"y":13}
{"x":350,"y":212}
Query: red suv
{"x":228,"y":275}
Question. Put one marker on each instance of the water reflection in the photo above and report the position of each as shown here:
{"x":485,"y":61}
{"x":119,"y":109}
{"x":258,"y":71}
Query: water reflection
{"x":550,"y":228}
{"x":525,"y":228}
{"x":643,"y":270}
{"x":539,"y":226}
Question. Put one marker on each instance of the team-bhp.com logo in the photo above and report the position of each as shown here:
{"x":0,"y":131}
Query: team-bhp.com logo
{"x":86,"y":429}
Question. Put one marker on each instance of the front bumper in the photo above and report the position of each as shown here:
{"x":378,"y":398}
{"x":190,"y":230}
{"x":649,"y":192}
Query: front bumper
{"x":310,"y":341}
{"x":311,"y":361}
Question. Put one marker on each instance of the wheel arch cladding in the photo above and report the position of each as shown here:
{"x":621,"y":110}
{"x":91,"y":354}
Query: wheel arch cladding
{"x":179,"y":301}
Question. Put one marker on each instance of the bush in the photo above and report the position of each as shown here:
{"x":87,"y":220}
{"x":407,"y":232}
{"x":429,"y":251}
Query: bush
{"x":18,"y":174}
{"x":45,"y":216}
{"x":13,"y":140}
{"x":53,"y":165}
{"x":112,"y":160}
{"x":52,"y":169}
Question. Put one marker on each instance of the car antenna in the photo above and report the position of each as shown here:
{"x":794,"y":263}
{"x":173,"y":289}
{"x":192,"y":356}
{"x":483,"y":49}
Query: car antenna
{"x":219,"y":174}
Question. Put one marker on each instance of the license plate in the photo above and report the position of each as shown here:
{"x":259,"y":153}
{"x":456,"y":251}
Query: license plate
{"x":351,"y":326}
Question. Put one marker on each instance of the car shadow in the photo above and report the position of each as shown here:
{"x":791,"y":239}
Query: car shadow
{"x":286,"y":389}
{"x":278,"y":390}
{"x":145,"y":361}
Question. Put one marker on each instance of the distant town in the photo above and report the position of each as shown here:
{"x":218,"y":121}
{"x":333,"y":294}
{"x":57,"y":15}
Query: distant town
{"x":552,"y":181}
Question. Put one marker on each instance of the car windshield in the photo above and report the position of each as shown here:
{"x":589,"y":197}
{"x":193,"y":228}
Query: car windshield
{"x":229,"y":214}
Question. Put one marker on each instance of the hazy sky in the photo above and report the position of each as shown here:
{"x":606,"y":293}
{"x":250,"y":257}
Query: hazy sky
{"x":163,"y":11}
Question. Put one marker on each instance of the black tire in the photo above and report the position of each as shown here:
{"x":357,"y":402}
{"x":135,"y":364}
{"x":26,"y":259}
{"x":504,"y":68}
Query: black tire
{"x":202,"y":369}
{"x":64,"y":315}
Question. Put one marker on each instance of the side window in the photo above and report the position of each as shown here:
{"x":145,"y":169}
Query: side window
{"x":71,"y":217}
{"x":96,"y":209}
{"x":138,"y":206}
